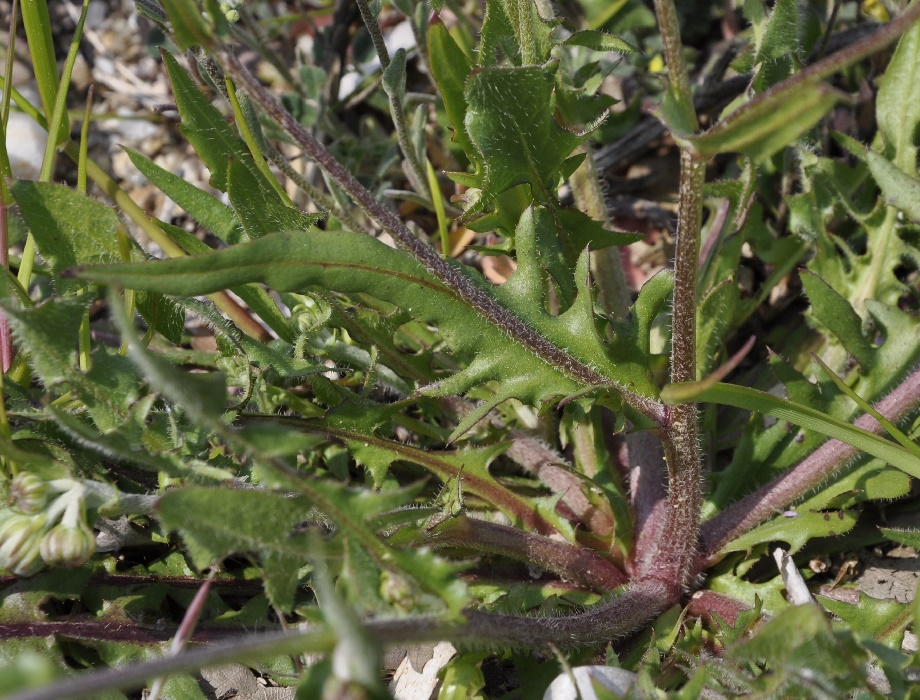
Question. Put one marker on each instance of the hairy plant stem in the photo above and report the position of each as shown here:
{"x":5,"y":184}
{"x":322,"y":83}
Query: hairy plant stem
{"x":680,"y":434}
{"x":450,"y":274}
{"x":397,"y":108}
{"x":638,"y":604}
{"x":578,"y":564}
{"x":678,"y":77}
{"x":613,"y":294}
{"x":552,"y":469}
{"x":520,"y":13}
{"x":648,"y":496}
{"x":778,"y":494}
{"x":324,"y":201}
{"x":7,"y":351}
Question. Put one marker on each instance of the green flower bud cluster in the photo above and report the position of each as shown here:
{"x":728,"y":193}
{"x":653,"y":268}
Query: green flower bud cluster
{"x":40,"y":531}
{"x":20,"y":542}
{"x":229,"y":8}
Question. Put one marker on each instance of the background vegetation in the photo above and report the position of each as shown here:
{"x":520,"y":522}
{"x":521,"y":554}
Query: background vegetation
{"x":584,"y":338}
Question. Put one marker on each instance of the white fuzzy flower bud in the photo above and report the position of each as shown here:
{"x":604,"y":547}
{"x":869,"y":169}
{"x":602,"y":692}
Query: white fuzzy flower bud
{"x":28,"y":493}
{"x":20,"y":538}
{"x":68,"y":545}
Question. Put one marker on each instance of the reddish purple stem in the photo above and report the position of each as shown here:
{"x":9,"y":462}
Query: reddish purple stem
{"x":791,"y":485}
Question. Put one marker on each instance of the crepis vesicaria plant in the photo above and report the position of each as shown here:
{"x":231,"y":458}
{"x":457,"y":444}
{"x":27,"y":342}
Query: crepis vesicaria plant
{"x":404,"y":452}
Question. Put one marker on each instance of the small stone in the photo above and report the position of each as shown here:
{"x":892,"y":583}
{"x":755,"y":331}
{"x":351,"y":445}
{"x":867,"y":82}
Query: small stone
{"x":616,"y":681}
{"x":25,"y":144}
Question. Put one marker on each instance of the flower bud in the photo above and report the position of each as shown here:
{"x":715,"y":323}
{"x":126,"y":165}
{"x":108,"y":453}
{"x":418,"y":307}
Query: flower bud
{"x":397,"y":590}
{"x":20,"y":538}
{"x":68,"y":545}
{"x":28,"y":493}
{"x":337,"y":689}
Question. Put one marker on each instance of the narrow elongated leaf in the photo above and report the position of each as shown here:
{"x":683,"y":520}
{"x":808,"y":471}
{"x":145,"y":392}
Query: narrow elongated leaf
{"x":889,"y":427}
{"x":252,"y":294}
{"x":204,"y":126}
{"x":189,"y":27}
{"x":202,"y":396}
{"x":394,"y":76}
{"x":767,"y":125}
{"x":807,"y":417}
{"x":204,"y":208}
{"x":350,"y":263}
{"x":782,"y":33}
{"x":514,"y":28}
{"x":450,"y":68}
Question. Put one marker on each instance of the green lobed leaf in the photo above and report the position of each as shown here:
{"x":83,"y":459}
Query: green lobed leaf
{"x":451,"y":68}
{"x":69,"y":228}
{"x":218,"y":522}
{"x":899,"y":189}
{"x":897,"y":353}
{"x":872,"y":481}
{"x":355,"y":511}
{"x":802,"y":651}
{"x":835,"y":313}
{"x":884,"y":620}
{"x":351,"y":263}
{"x":911,"y":538}
{"x":355,"y":426}
{"x":797,"y":530}
{"x":874,"y":273}
{"x":599,"y":41}
{"x":898,"y":102}
{"x":510,"y":121}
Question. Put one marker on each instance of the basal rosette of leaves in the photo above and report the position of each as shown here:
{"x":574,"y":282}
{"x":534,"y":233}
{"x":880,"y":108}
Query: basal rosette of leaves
{"x":383,"y":447}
